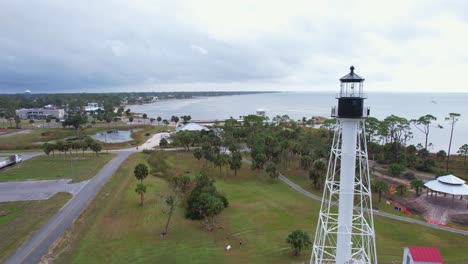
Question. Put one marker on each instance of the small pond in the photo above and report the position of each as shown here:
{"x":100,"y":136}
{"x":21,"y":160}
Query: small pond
{"x":114,"y":136}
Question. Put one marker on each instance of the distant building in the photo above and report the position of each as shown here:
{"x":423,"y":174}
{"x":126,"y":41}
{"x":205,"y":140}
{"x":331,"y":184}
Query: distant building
{"x":92,"y":107}
{"x":40,"y":113}
{"x":260,"y":112}
{"x":422,"y":255}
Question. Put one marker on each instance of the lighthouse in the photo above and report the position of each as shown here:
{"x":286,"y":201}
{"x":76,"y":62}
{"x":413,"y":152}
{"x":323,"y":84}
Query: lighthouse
{"x":345,"y":228}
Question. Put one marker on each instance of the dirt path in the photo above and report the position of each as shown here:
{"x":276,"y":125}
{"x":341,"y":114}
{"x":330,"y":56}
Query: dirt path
{"x":153,"y":141}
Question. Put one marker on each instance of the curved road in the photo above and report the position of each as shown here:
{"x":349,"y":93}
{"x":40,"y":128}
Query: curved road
{"x":405,"y":219}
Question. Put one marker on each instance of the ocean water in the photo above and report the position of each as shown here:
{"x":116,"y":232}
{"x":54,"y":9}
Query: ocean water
{"x":299,"y":104}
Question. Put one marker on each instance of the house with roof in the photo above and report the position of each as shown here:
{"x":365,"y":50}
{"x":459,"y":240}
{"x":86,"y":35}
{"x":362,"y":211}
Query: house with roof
{"x":422,"y":255}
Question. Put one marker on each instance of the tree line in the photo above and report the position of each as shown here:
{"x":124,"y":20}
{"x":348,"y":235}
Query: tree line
{"x":69,"y":146}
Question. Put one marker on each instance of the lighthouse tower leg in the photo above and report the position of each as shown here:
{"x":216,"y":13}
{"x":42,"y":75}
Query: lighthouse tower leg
{"x":346,"y":194}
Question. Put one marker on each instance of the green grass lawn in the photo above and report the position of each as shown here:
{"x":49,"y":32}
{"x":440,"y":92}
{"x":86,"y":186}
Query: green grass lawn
{"x":76,"y":167}
{"x":115,"y":229}
{"x":25,"y":218}
{"x":34,"y":138}
{"x":27,"y":139}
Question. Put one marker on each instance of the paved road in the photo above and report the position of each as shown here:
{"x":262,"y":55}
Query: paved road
{"x":38,"y":245}
{"x":404,"y":219}
{"x":37,"y":190}
{"x":25,"y":155}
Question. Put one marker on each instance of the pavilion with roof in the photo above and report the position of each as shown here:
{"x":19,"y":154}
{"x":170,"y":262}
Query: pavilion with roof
{"x":191,"y":127}
{"x":448,"y":184}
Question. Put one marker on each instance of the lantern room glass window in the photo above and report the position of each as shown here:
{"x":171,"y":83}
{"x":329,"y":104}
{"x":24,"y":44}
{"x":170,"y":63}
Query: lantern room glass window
{"x":352,"y":89}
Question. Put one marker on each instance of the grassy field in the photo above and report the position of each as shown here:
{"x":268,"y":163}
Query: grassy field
{"x":299,"y":177}
{"x":25,"y":218}
{"x":27,"y":138}
{"x":75,"y":167}
{"x":34,"y":138}
{"x":114,"y":229}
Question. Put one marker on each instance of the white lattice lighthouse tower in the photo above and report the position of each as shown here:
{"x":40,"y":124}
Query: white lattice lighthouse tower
{"x":345,"y":229}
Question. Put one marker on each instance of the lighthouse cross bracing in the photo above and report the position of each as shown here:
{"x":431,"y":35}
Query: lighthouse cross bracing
{"x":345,"y":229}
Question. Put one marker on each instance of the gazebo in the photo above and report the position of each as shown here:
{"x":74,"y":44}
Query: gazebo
{"x":448,"y":184}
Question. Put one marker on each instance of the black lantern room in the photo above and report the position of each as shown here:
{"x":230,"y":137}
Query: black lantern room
{"x":351,"y":97}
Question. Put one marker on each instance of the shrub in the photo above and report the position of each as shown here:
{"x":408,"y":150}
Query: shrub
{"x":396,"y":169}
{"x":148,"y":151}
{"x":158,"y":163}
{"x":204,"y":191}
{"x":409,"y":176}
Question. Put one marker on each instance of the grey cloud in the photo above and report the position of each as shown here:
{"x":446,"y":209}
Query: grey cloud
{"x":55,"y":47}
{"x":49,"y":45}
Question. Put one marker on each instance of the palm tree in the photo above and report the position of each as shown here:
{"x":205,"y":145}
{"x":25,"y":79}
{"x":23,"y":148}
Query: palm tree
{"x":380,"y":186}
{"x":271,"y":170}
{"x":320,"y":168}
{"x":159,"y":119}
{"x":141,"y":190}
{"x":417,"y":184}
{"x":306,"y":162}
{"x":141,"y":171}
{"x":401,"y":188}
{"x":235,"y":162}
{"x":175,"y":119}
{"x":452,"y":118}
{"x":48,"y":119}
{"x":198,"y":153}
{"x":299,"y":240}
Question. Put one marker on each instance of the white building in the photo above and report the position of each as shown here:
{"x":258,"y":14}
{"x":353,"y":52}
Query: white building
{"x":422,"y":255}
{"x":191,"y":127}
{"x":260,"y":112}
{"x":92,"y":107}
{"x":40,"y":113}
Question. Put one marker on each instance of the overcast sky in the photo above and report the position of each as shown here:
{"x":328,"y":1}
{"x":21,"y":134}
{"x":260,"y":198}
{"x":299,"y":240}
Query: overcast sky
{"x":93,"y":46}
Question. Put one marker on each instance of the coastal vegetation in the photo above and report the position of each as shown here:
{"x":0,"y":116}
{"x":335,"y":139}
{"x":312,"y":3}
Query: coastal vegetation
{"x":260,"y":213}
{"x":226,"y":177}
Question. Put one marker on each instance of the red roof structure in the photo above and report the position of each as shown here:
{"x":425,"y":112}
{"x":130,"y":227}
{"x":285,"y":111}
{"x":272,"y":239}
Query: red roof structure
{"x":426,"y":254}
